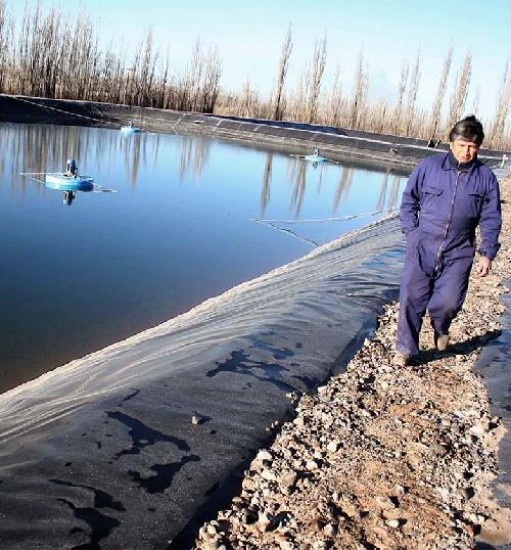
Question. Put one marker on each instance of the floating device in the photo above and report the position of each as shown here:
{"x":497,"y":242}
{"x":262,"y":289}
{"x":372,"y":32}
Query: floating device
{"x":64,"y":182}
{"x":315,"y":157}
{"x":130,"y":129}
{"x":69,"y":180}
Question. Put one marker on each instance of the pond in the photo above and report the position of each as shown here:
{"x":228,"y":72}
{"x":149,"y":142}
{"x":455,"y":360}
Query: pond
{"x":174,"y":220}
{"x":213,"y":275}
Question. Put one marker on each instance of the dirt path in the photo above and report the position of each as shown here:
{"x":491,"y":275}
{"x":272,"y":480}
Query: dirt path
{"x":383,"y":457}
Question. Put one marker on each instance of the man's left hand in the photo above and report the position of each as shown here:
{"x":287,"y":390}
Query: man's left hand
{"x":484,"y":266}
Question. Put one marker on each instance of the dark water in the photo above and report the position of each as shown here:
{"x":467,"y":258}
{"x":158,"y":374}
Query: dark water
{"x":189,"y":218}
{"x":495,"y":366}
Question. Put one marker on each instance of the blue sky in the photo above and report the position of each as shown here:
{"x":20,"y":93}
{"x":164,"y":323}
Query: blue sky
{"x":249,"y":37}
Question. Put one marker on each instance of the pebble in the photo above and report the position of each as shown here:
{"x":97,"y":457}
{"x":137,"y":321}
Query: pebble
{"x":393,"y":523}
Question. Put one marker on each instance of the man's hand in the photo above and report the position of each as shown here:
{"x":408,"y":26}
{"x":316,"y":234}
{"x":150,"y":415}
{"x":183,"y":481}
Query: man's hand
{"x":484,"y":266}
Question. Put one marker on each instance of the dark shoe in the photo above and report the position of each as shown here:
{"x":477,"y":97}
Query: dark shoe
{"x":401,"y":360}
{"x":441,"y":341}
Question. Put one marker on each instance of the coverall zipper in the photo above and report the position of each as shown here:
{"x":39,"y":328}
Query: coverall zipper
{"x":447,"y":225}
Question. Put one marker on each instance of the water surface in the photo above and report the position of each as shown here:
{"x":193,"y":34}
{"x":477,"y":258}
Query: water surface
{"x":189,"y":218}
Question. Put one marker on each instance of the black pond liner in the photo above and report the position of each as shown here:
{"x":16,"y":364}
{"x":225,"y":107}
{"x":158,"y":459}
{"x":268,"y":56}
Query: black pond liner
{"x":494,"y":365}
{"x":103,"y":453}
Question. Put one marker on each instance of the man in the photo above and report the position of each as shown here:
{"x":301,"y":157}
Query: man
{"x":447,"y":196}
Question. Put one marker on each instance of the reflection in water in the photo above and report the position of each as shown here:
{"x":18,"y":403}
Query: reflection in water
{"x":194,"y":156}
{"x":265,"y":189}
{"x":368,"y":187}
{"x":343,"y":187}
{"x":69,"y":197}
{"x":299,"y":188}
{"x":45,"y":148}
{"x":298,"y":172}
{"x":388,"y":200}
{"x":39,"y":148}
{"x":132,"y":153}
{"x":395,"y":193}
{"x":161,"y":244}
{"x":383,"y":192}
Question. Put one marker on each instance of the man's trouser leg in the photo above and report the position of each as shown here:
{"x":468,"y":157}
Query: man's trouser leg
{"x":448,"y":295}
{"x":414,"y":295}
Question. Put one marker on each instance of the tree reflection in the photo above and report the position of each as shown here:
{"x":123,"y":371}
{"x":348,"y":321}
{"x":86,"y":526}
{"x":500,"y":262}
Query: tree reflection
{"x":42,"y":148}
{"x":265,"y":189}
{"x":343,"y":186}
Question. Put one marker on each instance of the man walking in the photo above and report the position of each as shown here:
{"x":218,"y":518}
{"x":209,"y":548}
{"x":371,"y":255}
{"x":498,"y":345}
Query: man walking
{"x":447,"y":196}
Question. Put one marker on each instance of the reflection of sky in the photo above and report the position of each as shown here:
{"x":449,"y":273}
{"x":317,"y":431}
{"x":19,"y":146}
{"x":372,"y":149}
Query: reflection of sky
{"x":239,"y":182}
{"x":180,"y":228}
{"x":327,"y":200}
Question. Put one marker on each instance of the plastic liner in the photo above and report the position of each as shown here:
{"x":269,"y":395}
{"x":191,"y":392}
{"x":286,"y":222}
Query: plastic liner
{"x":494,"y":365}
{"x":143,"y":440}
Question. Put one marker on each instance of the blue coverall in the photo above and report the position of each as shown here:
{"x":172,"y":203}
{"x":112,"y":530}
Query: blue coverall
{"x":442,"y":205}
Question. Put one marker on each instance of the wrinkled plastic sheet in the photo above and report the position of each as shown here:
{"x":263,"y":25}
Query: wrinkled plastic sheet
{"x":138,"y":443}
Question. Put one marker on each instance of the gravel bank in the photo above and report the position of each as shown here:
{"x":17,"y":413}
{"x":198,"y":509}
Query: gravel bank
{"x":383,"y":457}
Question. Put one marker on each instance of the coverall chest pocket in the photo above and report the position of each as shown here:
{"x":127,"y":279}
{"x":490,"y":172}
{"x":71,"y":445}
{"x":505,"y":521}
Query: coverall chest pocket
{"x":475,"y":204}
{"x":431,"y":197}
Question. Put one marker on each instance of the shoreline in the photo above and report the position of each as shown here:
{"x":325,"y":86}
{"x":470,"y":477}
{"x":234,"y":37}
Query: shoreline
{"x":396,"y":153}
{"x":309,"y":489}
{"x":422,"y":438}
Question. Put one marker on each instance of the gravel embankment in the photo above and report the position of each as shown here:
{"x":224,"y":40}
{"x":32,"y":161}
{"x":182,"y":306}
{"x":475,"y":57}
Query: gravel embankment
{"x":383,"y":457}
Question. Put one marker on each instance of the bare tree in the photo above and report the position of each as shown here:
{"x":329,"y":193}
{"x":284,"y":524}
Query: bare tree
{"x":440,"y":94}
{"x":81,"y":60}
{"x":498,"y":124}
{"x":460,"y":92}
{"x":144,"y":70}
{"x":412,"y":95}
{"x":278,"y":90}
{"x":247,"y":101}
{"x":335,"y":103}
{"x":475,"y":101}
{"x":5,"y":41}
{"x":23,"y":53}
{"x":299,"y":101}
{"x":210,"y":85}
{"x":316,"y":75}
{"x":376,"y":118}
{"x":45,"y":57}
{"x":358,"y":100}
{"x":163,"y":85}
{"x":198,"y":89}
{"x":398,"y":109}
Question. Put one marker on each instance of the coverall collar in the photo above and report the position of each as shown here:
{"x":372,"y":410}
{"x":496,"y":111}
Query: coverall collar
{"x":450,"y":162}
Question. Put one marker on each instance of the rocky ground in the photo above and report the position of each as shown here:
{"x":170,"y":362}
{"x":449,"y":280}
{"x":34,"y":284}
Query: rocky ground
{"x":385,"y":457}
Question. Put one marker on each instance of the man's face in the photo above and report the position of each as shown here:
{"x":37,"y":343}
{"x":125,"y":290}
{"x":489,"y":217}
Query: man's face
{"x":464,"y":151}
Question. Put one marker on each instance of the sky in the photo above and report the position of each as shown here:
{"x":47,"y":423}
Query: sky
{"x":249,"y":37}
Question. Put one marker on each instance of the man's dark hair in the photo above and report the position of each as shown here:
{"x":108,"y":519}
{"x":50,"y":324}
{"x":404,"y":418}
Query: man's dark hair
{"x":468,"y":129}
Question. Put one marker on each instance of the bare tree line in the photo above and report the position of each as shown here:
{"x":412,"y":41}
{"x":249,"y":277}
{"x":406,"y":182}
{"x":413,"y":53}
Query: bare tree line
{"x":49,"y":58}
{"x":336,"y":107}
{"x":46,"y":57}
